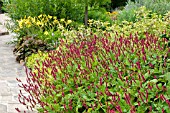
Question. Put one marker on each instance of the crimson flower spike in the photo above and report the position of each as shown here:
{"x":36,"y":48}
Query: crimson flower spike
{"x":138,"y":65}
{"x":112,"y":111}
{"x":17,"y":109}
{"x":163,"y":111}
{"x":119,"y":109}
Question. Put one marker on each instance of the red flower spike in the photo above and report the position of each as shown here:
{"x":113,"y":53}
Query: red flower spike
{"x":18,"y":80}
{"x":144,"y":58}
{"x":88,"y":87}
{"x":138,"y":103}
{"x":157,"y":87}
{"x":92,"y":107}
{"x":146,"y":95}
{"x":101,"y":80}
{"x":53,"y":87}
{"x":143,"y":78}
{"x":64,"y":107}
{"x":17,"y":109}
{"x":120,"y":75}
{"x":150,"y":109}
{"x":132,"y":110}
{"x":112,"y":111}
{"x":163,"y":111}
{"x":119,"y":109}
{"x":71,"y":91}
{"x":164,"y":88}
{"x":63,"y":94}
{"x":162,"y":97}
{"x":113,"y":98}
{"x":168,"y":102}
{"x":70,"y":107}
{"x":127,"y":99}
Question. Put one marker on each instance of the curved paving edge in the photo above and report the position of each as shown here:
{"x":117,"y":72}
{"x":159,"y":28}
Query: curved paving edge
{"x":9,"y":71}
{"x":3,"y":30}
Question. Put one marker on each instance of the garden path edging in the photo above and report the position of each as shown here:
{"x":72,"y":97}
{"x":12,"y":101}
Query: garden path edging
{"x":9,"y":71}
{"x":3,"y":19}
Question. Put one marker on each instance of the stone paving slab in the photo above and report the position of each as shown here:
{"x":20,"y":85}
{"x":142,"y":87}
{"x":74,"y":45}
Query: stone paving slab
{"x":3,"y":19}
{"x":9,"y":71}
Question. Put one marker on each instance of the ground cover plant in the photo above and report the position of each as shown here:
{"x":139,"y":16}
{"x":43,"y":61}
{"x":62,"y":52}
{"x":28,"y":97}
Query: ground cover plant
{"x":127,"y":74}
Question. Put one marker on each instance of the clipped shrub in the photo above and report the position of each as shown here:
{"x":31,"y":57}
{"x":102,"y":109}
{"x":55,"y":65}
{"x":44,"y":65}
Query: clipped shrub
{"x":98,"y":75}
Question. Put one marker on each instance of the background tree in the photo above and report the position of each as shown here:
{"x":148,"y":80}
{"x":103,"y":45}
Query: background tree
{"x":87,"y":4}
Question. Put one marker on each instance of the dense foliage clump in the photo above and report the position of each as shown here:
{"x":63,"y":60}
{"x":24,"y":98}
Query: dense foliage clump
{"x":156,"y":6}
{"x":127,"y":74}
{"x":49,"y":29}
{"x":80,"y":58}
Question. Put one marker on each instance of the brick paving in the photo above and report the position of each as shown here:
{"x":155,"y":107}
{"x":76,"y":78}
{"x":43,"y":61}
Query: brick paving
{"x":9,"y":71}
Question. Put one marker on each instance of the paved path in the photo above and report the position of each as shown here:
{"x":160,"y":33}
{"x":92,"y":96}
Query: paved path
{"x":9,"y":71}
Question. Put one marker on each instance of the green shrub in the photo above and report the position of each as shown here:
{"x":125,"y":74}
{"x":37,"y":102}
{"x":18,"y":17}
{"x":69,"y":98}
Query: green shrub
{"x":156,"y":6}
{"x":128,"y":14}
{"x":145,"y":21}
{"x":68,"y":9}
{"x":99,"y":15}
{"x":17,"y":9}
{"x":99,"y":75}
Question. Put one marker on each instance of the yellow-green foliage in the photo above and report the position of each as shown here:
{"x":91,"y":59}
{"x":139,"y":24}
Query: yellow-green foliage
{"x":145,"y":22}
{"x":32,"y":60}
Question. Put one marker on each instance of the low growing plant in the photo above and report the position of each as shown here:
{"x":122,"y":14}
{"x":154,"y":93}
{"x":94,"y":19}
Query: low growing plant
{"x":127,"y":74}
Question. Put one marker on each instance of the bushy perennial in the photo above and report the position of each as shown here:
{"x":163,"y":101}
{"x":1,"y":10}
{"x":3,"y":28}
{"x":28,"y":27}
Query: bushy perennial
{"x":127,"y":74}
